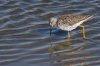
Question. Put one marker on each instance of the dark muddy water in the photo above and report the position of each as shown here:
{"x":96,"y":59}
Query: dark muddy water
{"x":25,"y":40}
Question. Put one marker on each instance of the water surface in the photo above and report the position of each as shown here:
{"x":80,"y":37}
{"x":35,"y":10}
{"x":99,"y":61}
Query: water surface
{"x":25,"y":38}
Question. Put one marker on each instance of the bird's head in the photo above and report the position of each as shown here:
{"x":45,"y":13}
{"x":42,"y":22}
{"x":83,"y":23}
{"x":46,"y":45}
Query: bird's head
{"x":53,"y":21}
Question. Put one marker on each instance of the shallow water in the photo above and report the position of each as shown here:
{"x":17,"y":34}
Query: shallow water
{"x":25,"y":38}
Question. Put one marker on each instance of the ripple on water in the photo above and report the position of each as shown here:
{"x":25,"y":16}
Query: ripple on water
{"x":25,"y":34}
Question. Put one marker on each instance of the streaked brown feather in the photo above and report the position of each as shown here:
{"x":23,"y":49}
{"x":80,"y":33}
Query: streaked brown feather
{"x":70,"y":20}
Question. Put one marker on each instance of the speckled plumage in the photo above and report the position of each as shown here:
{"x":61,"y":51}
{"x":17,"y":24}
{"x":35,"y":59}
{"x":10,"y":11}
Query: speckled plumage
{"x":71,"y":19}
{"x":69,"y":22}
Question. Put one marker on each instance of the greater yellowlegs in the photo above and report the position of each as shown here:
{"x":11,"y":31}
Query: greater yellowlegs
{"x":69,"y":22}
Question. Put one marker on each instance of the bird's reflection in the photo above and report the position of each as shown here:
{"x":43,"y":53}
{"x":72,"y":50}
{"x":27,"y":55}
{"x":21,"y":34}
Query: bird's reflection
{"x":66,"y":53}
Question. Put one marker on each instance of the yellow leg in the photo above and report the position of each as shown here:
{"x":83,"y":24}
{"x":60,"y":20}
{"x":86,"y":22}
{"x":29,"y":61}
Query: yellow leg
{"x":68,"y":36}
{"x":83,"y":31}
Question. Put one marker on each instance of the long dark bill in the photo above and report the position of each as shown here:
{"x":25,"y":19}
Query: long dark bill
{"x":50,"y":28}
{"x":50,"y":31}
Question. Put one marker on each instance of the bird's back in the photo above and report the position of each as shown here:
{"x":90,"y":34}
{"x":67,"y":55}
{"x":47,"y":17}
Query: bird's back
{"x":70,"y":20}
